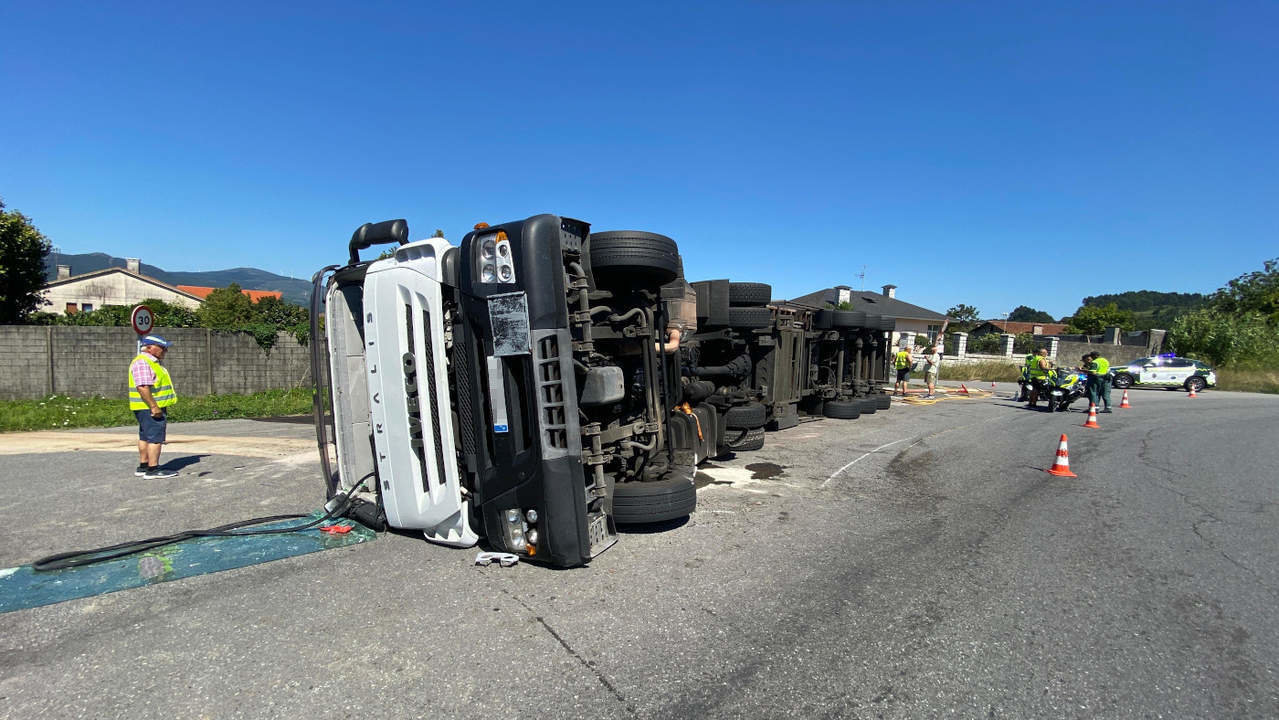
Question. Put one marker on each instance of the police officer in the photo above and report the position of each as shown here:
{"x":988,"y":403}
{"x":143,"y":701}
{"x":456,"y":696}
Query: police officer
{"x":1039,"y":368}
{"x":1025,"y":378}
{"x":1099,"y":380}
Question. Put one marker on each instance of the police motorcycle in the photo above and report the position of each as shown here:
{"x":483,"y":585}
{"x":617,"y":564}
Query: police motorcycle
{"x":1063,"y":388}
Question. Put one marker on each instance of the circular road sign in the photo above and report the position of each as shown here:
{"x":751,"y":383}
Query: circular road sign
{"x":142,"y":319}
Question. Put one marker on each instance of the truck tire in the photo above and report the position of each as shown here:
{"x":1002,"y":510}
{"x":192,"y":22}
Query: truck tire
{"x":637,"y":503}
{"x":747,"y":441}
{"x":633,"y":251}
{"x":749,"y":293}
{"x":848,"y":318}
{"x":749,"y":318}
{"x":884,"y":401}
{"x":869,"y":405}
{"x":842,"y":409}
{"x":823,"y":319}
{"x":746,"y":417}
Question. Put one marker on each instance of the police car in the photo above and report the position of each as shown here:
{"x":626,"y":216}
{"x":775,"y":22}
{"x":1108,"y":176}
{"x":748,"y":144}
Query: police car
{"x":1165,"y":370}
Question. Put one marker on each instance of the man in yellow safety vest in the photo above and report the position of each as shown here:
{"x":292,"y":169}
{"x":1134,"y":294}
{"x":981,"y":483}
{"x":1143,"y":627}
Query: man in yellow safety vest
{"x":1098,"y":380}
{"x":902,"y":361}
{"x":150,"y":394}
{"x":1039,"y":368}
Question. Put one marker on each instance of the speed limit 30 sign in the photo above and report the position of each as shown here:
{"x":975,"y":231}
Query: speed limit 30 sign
{"x":142,"y":319}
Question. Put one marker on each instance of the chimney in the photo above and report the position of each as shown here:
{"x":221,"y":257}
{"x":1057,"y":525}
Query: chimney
{"x":890,"y":291}
{"x":64,"y":272}
{"x":133,"y":265}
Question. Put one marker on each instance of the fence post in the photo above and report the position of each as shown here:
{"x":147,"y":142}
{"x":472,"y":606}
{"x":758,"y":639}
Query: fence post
{"x":1006,"y":344}
{"x":48,"y":347}
{"x":961,"y":343}
{"x":208,"y":353}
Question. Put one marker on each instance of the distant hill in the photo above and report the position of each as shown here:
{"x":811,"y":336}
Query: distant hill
{"x":1150,"y":308}
{"x":295,"y":290}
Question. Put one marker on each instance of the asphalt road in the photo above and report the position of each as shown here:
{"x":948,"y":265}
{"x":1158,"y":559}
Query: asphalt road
{"x":914,"y":563}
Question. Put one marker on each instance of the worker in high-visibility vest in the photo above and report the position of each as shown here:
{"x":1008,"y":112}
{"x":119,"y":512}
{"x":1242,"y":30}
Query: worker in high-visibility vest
{"x":1025,"y":377}
{"x":1039,"y":369}
{"x":151,"y":393}
{"x":902,"y":361}
{"x":1099,"y":380}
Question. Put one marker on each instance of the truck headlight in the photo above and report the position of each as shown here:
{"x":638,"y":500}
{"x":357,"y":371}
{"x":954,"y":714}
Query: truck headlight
{"x":496,"y":262}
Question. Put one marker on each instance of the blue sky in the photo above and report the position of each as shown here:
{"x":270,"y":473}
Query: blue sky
{"x":988,"y":153}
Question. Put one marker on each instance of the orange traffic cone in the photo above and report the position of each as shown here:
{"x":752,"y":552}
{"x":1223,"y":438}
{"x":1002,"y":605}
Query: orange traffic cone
{"x":962,"y":390}
{"x":1123,"y":402}
{"x":1061,"y":466}
{"x":1092,"y":417}
{"x":1192,"y":392}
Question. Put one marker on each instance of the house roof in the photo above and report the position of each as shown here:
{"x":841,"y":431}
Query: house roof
{"x":870,"y":302}
{"x":1016,"y":328}
{"x":107,"y":271}
{"x":254,"y":295}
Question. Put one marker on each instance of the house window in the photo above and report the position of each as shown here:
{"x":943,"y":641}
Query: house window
{"x":71,"y":308}
{"x":86,"y":307}
{"x":933,"y":331}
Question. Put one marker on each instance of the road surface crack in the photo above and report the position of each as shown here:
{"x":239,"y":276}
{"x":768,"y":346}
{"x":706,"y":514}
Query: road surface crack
{"x":599,"y":676}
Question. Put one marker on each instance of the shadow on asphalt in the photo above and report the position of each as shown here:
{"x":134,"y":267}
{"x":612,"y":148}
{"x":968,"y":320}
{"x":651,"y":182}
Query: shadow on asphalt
{"x":178,"y":463}
{"x":289,"y":419}
{"x":650,"y":528}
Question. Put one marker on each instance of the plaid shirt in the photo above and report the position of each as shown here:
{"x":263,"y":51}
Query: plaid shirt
{"x":142,"y":372}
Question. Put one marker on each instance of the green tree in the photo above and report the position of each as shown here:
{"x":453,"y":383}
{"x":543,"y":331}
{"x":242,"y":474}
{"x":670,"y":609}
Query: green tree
{"x":22,"y":251}
{"x":438,"y":233}
{"x":226,"y":308}
{"x":963,"y":315}
{"x":1091,"y":320}
{"x":1254,"y":292}
{"x":1243,"y":340}
{"x":1029,"y":314}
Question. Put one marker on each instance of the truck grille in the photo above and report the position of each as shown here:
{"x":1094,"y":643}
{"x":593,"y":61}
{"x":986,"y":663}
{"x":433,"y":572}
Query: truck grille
{"x":550,"y":384}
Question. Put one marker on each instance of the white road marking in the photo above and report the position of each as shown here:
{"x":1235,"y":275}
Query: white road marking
{"x":863,"y":456}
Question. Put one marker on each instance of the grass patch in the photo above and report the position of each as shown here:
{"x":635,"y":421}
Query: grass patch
{"x":61,"y":411}
{"x":1248,"y":380}
{"x":987,"y":371}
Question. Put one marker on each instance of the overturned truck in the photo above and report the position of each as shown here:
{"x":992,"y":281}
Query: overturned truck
{"x":511,"y":389}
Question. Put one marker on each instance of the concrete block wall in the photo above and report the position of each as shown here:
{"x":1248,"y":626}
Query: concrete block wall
{"x":39,"y":361}
{"x":244,"y":368}
{"x":1068,"y":352}
{"x":24,"y":361}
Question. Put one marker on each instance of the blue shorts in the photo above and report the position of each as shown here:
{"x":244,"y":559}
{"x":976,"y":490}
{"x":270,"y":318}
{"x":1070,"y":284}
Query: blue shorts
{"x":150,"y":429}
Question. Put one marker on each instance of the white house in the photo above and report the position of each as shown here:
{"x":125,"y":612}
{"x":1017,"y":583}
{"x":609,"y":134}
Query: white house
{"x":112,"y":286}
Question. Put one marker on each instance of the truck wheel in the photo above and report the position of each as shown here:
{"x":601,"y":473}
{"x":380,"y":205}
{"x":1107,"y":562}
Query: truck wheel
{"x":869,"y":405}
{"x":749,"y":318}
{"x":823,"y":319}
{"x":748,"y":440}
{"x":636,"y":503}
{"x":746,"y":417}
{"x":842,"y":409}
{"x":749,"y":293}
{"x":635,"y":252}
{"x":884,"y":401}
{"x":848,"y":318}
